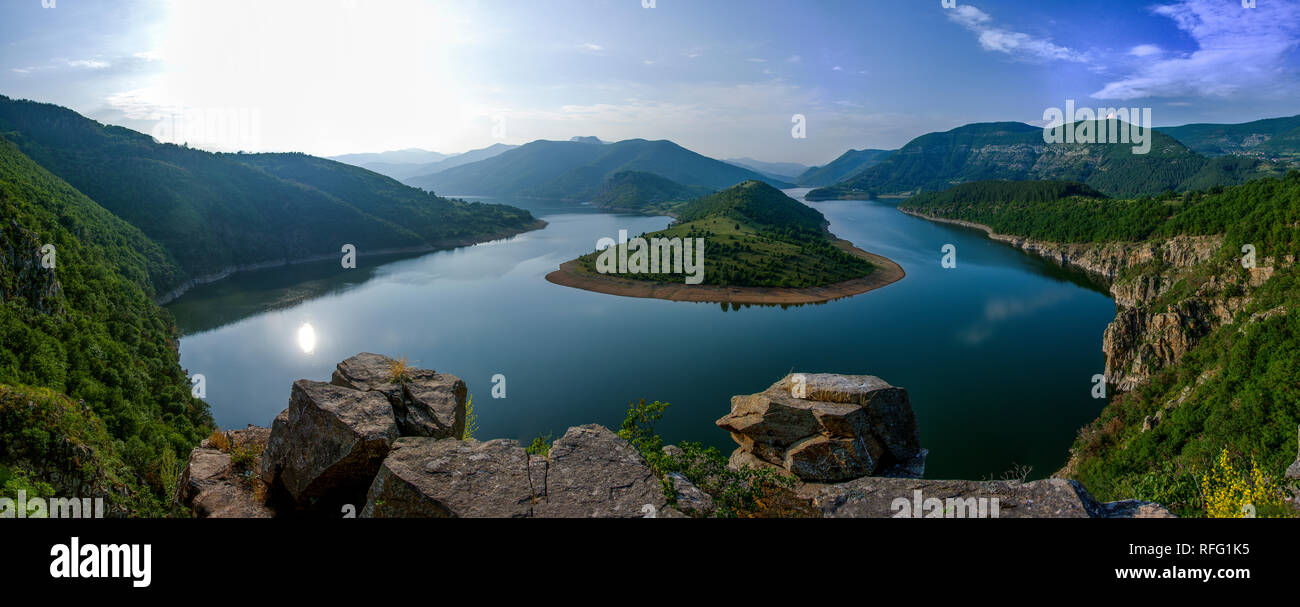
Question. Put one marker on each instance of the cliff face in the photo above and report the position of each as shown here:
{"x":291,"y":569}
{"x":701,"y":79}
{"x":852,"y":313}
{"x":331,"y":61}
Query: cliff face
{"x":1168,"y":293}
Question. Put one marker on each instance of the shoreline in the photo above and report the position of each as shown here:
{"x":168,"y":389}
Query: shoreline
{"x":444,"y":245}
{"x":887,"y":272}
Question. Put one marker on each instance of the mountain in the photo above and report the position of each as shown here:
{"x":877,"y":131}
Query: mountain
{"x":644,"y":193}
{"x":393,"y":166}
{"x":587,"y":140}
{"x":1273,"y":137}
{"x":782,"y":171}
{"x":212,"y":213}
{"x":1016,"y":151}
{"x":566,"y":170}
{"x":93,"y":401}
{"x":756,"y":236}
{"x":848,"y":165}
{"x":407,"y":156}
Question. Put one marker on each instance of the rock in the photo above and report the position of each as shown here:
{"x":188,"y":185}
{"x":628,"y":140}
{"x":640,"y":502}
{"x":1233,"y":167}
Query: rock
{"x":211,"y":488}
{"x":436,"y":478}
{"x":329,"y":444}
{"x":827,"y":428}
{"x":670,"y":512}
{"x":592,"y":472}
{"x":741,"y":459}
{"x":876,"y":497}
{"x":690,"y":500}
{"x":425,"y":404}
{"x":1293,"y":472}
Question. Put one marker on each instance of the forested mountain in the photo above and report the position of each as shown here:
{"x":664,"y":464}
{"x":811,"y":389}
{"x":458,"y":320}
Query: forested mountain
{"x":395,"y":157}
{"x":846,"y":166}
{"x":1016,"y":151}
{"x":211,"y":212}
{"x":1272,"y":137}
{"x":85,"y":329}
{"x":566,"y":170}
{"x":644,"y":192}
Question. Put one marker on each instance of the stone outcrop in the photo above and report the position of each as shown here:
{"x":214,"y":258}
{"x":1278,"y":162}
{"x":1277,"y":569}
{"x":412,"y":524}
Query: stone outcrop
{"x":876,"y":497}
{"x":425,"y":403}
{"x":589,"y":473}
{"x":329,"y":444}
{"x":1293,"y":472}
{"x":825,"y":428}
{"x":212,"y":487}
{"x":436,"y":478}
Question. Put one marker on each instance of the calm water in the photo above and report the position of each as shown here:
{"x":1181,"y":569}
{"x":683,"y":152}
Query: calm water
{"x":998,"y":354}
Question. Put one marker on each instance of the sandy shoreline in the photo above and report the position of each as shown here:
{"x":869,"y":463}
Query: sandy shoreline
{"x":886,"y":273}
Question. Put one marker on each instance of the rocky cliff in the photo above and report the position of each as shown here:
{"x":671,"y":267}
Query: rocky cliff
{"x":384,"y":441}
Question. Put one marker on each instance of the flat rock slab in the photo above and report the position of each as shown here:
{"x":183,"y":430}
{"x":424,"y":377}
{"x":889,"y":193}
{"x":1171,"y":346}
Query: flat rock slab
{"x":592,"y":473}
{"x":437,"y":478}
{"x":877,"y":497}
{"x":329,"y":443}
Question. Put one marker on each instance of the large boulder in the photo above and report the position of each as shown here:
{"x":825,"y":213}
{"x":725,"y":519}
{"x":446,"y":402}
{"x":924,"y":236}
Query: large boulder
{"x":448,"y":478}
{"x":592,"y":473}
{"x":878,"y":497}
{"x":329,"y":444}
{"x":827,"y":428}
{"x":425,"y":403}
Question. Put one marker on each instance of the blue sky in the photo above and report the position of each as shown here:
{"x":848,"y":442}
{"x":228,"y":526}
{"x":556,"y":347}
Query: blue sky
{"x":721,"y":77}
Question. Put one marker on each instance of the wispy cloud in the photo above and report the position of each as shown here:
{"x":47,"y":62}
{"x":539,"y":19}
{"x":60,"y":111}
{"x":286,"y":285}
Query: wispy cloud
{"x":1238,"y":49}
{"x":595,"y":48}
{"x":1016,"y":44}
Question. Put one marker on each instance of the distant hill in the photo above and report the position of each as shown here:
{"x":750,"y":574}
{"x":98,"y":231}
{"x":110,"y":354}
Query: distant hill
{"x":1016,"y":151}
{"x":847,"y":165}
{"x":407,"y":156}
{"x":392,"y":165}
{"x":566,"y":170}
{"x":784,"y":171}
{"x":1269,"y":137}
{"x":214,"y":212}
{"x":643,"y":193}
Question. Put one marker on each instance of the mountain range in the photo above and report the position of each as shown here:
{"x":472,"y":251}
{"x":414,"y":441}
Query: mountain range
{"x":577,"y":171}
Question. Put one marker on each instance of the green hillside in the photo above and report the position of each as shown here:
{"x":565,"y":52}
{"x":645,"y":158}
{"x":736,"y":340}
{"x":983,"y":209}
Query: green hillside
{"x":86,"y":329}
{"x":1272,"y":136}
{"x":210,"y":211}
{"x":576,"y":171}
{"x":756,"y":236}
{"x":1015,"y":151}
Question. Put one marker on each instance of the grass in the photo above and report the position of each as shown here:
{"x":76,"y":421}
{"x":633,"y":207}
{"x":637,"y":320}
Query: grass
{"x":399,"y":370}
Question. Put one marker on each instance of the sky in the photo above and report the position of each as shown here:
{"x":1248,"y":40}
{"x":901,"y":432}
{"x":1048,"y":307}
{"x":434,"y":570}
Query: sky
{"x":724,"y":78}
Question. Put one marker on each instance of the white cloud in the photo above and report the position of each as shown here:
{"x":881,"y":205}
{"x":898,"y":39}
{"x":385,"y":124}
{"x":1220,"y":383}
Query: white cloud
{"x":1145,"y":50}
{"x":1238,"y":49}
{"x":592,"y":47}
{"x":93,"y":64}
{"x":1016,"y":44}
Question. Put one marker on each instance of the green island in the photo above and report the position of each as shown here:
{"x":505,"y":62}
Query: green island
{"x":761,"y":246}
{"x":1231,"y":395}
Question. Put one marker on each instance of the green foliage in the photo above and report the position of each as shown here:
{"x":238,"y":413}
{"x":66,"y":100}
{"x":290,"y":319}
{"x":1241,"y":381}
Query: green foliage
{"x":736,"y":493}
{"x":541,"y":445}
{"x":848,"y":165}
{"x":88,"y":328}
{"x":644,"y":193}
{"x":471,"y":420}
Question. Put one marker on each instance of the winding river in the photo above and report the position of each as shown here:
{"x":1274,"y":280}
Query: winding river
{"x":998,"y":354}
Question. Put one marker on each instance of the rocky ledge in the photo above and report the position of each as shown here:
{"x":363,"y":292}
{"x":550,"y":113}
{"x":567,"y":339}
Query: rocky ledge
{"x":384,"y":441}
